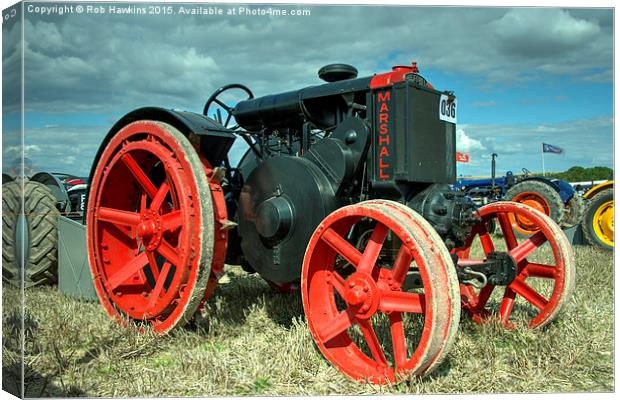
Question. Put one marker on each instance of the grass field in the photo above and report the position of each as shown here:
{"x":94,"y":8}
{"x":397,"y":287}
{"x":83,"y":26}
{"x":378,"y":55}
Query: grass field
{"x":258,"y":343}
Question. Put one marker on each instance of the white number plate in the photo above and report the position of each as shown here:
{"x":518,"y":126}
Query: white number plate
{"x":447,"y":109}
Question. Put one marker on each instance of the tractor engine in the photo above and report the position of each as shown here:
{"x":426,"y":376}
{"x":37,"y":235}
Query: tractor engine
{"x":339,"y":143}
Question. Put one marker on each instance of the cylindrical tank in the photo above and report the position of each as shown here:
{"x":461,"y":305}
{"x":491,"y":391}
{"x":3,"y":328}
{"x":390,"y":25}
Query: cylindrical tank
{"x":273,"y":111}
{"x":323,"y":105}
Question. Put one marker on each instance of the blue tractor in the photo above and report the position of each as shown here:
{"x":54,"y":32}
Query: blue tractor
{"x":554,"y":197}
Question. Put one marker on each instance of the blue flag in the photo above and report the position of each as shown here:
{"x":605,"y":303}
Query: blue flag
{"x":547,"y":148}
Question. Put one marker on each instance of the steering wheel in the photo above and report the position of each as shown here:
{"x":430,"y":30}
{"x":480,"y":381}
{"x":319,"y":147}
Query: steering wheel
{"x":228,"y":109}
{"x":526,"y":171}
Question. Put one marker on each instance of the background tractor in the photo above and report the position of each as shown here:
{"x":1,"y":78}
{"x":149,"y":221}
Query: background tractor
{"x":345,"y":192}
{"x":30,"y":235}
{"x":555,"y":198}
{"x":598,"y":220}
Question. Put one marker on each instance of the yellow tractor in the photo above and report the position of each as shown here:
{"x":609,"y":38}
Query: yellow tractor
{"x":598,"y":220}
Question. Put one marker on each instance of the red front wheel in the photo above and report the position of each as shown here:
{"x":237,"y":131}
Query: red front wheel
{"x":545,"y":268}
{"x":367,"y":317}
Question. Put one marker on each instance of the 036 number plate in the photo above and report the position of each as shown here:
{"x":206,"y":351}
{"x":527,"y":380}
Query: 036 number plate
{"x":447,"y":108}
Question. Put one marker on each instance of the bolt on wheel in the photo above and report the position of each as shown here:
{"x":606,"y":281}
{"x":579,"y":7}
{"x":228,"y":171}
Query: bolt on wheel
{"x":149,"y":226}
{"x":362,"y":317}
{"x":545,"y":268}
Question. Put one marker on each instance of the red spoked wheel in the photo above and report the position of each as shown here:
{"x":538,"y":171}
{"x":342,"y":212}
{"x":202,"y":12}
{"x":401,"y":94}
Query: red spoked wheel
{"x":150,"y":226}
{"x":545,"y":267}
{"x":357,"y":301}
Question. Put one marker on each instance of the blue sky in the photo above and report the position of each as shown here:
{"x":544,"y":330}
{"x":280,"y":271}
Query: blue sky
{"x":522,"y":76}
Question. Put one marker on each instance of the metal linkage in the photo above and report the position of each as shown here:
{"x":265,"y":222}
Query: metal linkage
{"x":497,"y":269}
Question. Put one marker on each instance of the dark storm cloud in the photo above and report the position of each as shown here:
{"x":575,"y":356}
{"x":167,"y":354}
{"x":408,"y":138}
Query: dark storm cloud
{"x":11,"y":66}
{"x":559,"y":35}
{"x":602,"y":17}
{"x":110,"y":62}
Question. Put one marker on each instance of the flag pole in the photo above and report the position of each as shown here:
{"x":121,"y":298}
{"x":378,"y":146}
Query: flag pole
{"x":542,"y":155}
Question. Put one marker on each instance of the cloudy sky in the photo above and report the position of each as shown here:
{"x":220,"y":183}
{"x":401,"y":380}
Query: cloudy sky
{"x":522,"y":76}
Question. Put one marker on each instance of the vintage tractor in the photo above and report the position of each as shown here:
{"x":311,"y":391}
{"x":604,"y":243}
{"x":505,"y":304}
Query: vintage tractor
{"x":30,"y":234}
{"x":69,"y":192}
{"x":598,"y":220}
{"x":555,"y":198}
{"x":344,"y":191}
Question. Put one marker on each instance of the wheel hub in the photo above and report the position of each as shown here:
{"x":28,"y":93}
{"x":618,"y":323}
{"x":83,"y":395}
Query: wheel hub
{"x":536,"y":202}
{"x":146,"y":229}
{"x":150,"y":230}
{"x":524,"y":222}
{"x":362,"y":295}
{"x":604,"y":221}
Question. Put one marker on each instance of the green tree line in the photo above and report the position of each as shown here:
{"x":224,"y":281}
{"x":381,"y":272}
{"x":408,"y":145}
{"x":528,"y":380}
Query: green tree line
{"x":580,"y":174}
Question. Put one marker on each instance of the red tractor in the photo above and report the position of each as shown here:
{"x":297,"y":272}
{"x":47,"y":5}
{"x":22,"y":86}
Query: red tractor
{"x":344,"y":191}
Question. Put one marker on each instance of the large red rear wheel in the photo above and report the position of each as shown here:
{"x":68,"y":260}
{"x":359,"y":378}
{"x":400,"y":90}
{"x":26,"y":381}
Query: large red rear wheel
{"x":545,"y":267}
{"x":362,"y":317}
{"x":150,"y":226}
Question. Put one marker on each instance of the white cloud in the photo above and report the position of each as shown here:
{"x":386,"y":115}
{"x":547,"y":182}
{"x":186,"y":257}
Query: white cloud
{"x":57,"y":148}
{"x":31,"y":149}
{"x":465,"y":143}
{"x":586,"y":142}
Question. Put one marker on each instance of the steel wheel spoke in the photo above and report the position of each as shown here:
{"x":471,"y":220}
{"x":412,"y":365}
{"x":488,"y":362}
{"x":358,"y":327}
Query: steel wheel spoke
{"x":342,"y":247}
{"x":336,"y":326}
{"x":506,"y":227}
{"x":528,"y":293}
{"x":159,"y":286}
{"x":168,"y":252}
{"x":172,"y":220}
{"x":401,"y":264}
{"x":160,"y":196}
{"x":153,"y":264}
{"x":128,"y":270}
{"x":527,"y":247}
{"x":399,"y":345}
{"x":505,"y":308}
{"x":139,"y":174}
{"x":483,"y":296}
{"x":338,"y":283}
{"x":119,"y":217}
{"x":123,"y":236}
{"x":486,"y":242}
{"x":372,"y":341}
{"x":402,"y":302}
{"x":469,"y":294}
{"x":373,"y":248}
{"x":142,"y":202}
{"x":540,"y":270}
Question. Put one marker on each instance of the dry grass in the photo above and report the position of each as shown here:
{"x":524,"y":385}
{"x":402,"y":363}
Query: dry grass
{"x":258,"y":344}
